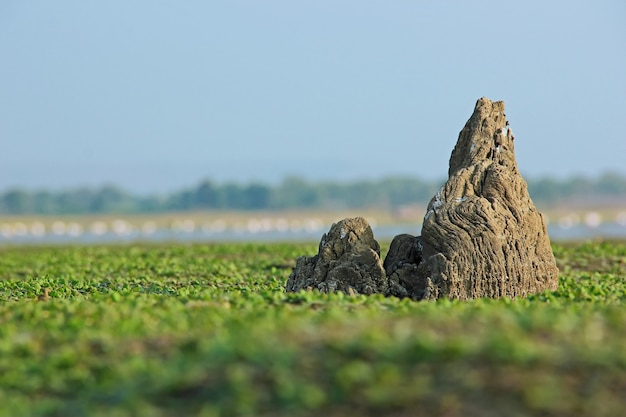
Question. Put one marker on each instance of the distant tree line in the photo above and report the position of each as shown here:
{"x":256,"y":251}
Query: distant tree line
{"x":292,"y":193}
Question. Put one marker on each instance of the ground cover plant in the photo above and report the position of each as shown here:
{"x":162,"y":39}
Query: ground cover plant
{"x":207,"y":330}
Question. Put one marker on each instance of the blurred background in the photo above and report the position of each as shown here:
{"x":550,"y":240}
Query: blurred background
{"x":243,"y":119}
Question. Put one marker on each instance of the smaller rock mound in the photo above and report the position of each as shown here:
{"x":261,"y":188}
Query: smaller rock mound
{"x":348,"y":260}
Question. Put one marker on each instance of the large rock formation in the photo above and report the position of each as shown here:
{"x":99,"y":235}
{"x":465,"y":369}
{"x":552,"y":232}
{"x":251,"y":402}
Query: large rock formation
{"x":482,"y":235}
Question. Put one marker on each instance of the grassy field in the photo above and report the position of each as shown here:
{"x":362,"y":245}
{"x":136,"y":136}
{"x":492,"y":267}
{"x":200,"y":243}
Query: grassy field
{"x":207,"y":330}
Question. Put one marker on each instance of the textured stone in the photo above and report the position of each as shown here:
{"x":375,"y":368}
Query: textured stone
{"x":348,"y":260}
{"x":403,"y":257}
{"x":482,"y":235}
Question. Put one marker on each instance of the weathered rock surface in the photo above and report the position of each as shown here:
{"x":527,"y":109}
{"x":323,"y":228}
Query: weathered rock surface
{"x":403,"y":257}
{"x":348,"y":260}
{"x":482,"y":235}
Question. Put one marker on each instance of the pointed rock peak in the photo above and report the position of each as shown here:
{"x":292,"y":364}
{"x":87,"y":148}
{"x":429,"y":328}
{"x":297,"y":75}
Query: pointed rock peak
{"x":487,"y":138}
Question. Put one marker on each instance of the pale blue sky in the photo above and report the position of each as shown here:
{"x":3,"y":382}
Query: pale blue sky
{"x":157,"y":95}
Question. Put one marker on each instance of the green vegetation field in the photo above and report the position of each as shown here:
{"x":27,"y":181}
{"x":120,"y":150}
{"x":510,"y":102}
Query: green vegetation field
{"x":207,"y":330}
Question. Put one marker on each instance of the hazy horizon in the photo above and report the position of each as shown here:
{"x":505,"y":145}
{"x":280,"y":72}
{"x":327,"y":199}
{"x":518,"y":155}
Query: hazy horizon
{"x":161,"y":191}
{"x":155,"y":97}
